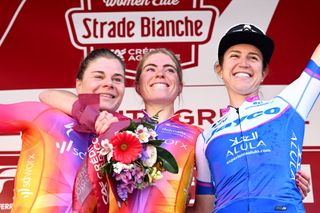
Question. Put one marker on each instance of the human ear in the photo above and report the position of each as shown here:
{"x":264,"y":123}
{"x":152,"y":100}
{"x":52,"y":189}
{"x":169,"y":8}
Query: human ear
{"x":138,"y":89}
{"x":265,"y":73}
{"x":218,"y":69}
{"x":78,"y":86}
{"x":180,"y":88}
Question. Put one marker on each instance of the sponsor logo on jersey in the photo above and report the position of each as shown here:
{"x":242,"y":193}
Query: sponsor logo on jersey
{"x":66,"y":147}
{"x":245,"y":145}
{"x":237,"y":123}
{"x":295,"y":156}
{"x":25,"y":190}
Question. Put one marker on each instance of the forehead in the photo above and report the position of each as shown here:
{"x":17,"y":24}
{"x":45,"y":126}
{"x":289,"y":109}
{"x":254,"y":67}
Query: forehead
{"x":159,"y":59}
{"x":108,"y":65}
{"x":245,"y":48}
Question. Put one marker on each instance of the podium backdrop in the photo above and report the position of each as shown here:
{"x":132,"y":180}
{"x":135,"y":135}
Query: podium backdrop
{"x":43,"y":42}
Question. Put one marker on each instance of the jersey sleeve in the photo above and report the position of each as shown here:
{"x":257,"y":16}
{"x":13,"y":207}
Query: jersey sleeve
{"x":204,"y":184}
{"x":14,"y":117}
{"x":303,"y":92}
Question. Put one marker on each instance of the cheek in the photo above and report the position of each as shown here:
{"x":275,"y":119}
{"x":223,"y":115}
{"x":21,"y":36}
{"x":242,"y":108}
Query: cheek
{"x":85,"y":87}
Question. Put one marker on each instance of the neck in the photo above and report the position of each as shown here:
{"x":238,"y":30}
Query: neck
{"x":164,"y":111}
{"x":237,"y":100}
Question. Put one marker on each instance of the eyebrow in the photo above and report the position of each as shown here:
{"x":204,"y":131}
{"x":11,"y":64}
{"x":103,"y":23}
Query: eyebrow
{"x":250,"y":53}
{"x":102,"y":73}
{"x":118,"y":75}
{"x":154,"y":65}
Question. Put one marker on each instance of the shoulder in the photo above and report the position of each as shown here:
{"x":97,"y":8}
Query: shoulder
{"x":177,"y":119}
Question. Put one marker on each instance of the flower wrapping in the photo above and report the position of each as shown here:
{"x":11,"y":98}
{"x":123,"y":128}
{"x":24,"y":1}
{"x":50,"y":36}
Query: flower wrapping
{"x":134,"y":159}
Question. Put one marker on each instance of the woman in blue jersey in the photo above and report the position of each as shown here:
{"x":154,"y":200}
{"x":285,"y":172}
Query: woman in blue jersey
{"x":248,"y":160}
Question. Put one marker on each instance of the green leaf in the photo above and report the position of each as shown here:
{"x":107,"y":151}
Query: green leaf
{"x":156,"y":142}
{"x":155,"y":118}
{"x":169,"y":162}
{"x":148,"y":125}
{"x":132,"y":126}
{"x":106,"y":169}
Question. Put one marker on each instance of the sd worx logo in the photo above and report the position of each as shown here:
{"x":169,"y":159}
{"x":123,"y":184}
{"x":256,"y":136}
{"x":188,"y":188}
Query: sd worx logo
{"x":64,"y":146}
{"x":67,"y":147}
{"x":140,"y":26}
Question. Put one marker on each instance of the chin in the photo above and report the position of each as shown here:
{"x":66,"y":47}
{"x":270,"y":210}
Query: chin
{"x":107,"y":108}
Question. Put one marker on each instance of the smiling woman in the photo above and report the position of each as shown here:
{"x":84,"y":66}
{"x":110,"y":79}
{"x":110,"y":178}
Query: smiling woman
{"x":249,"y":159}
{"x":160,"y":75}
{"x":101,"y":72}
{"x":159,"y":82}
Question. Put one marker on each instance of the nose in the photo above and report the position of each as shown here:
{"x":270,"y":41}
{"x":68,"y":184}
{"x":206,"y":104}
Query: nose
{"x":160,"y":73}
{"x":107,"y":83}
{"x":244,"y":62}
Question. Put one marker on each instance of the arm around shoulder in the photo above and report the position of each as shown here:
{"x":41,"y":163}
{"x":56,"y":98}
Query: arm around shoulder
{"x":60,"y":99}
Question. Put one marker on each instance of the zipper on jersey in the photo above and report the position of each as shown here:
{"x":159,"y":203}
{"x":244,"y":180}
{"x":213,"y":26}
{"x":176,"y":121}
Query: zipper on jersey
{"x":241,"y":137}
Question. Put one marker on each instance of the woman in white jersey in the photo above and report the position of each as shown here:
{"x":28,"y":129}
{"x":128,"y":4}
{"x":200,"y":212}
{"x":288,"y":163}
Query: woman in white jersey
{"x":248,"y":160}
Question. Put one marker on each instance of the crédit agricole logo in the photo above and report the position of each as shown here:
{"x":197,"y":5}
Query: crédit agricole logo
{"x":180,"y":25}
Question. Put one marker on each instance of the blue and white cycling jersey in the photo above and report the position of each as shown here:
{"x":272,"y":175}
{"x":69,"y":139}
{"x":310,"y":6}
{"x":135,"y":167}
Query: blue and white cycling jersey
{"x":249,"y":158}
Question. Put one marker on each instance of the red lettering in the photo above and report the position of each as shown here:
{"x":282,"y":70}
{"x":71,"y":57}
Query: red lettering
{"x":135,"y":113}
{"x":85,"y":23}
{"x":210,"y":116}
{"x":111,"y":29}
{"x":145,"y":30}
{"x":167,"y":28}
{"x":190,"y":118}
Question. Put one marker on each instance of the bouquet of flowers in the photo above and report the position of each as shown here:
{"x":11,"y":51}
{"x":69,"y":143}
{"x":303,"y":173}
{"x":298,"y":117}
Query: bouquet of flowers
{"x":134,"y":158}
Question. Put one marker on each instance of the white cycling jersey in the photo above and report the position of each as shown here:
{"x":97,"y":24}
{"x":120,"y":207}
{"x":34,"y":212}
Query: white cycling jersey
{"x":249,"y":158}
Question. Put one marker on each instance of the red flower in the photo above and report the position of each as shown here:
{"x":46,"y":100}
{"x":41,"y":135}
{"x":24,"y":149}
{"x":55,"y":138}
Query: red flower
{"x":126,"y":147}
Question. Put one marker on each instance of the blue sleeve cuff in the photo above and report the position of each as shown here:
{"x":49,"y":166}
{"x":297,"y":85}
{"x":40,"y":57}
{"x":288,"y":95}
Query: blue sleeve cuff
{"x":313,"y":67}
{"x":204,"y":188}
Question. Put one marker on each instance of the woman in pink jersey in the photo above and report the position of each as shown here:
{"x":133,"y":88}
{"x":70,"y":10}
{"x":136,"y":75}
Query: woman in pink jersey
{"x":159,"y":82}
{"x":52,"y":151}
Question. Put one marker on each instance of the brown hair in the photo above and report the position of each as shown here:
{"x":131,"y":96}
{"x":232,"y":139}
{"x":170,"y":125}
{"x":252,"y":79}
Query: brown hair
{"x":93,"y":55}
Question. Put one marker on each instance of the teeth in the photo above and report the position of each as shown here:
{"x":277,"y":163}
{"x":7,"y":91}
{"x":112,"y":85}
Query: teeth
{"x":108,"y":96}
{"x":160,"y":85}
{"x":242,"y":74}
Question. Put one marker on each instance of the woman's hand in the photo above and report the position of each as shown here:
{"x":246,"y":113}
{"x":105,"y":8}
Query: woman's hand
{"x":103,"y":122}
{"x":303,"y":183}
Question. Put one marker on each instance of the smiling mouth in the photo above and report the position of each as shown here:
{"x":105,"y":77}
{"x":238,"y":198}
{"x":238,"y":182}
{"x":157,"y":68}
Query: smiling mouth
{"x":160,"y":84}
{"x":243,"y":74}
{"x":108,"y":96}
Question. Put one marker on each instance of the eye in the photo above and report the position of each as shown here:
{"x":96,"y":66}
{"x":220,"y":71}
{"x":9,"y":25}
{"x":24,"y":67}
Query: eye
{"x":234,"y":55}
{"x":254,"y":58}
{"x":98,"y":76}
{"x":118,"y":79}
{"x":149,"y":69}
{"x":171,"y":70}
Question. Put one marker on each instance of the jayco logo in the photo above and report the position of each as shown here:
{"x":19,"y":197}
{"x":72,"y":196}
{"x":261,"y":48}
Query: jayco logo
{"x":268,"y":113}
